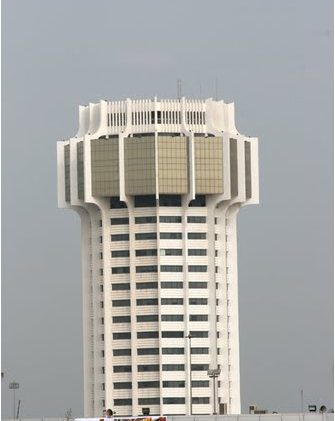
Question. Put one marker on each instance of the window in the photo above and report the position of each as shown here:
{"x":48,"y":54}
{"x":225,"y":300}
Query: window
{"x":172,"y":285}
{"x":122,"y":385}
{"x":145,"y":368}
{"x":199,"y":334}
{"x":147,"y":201}
{"x":146,"y":269}
{"x":148,"y":385}
{"x":172,"y":301}
{"x":102,"y":354}
{"x":122,"y":335}
{"x":146,"y":236}
{"x":197,"y":268}
{"x":102,"y":337}
{"x":170,"y":236}
{"x":147,"y":318}
{"x":197,"y":252}
{"x":198,"y":351}
{"x":196,"y":236}
{"x":102,"y":370}
{"x":100,"y":239}
{"x":122,"y":369}
{"x":169,"y":200}
{"x":202,"y":285}
{"x":172,"y":334}
{"x":120,"y":253}
{"x":115,"y":203}
{"x":198,"y":318}
{"x":170,"y":351}
{"x":173,"y":401}
{"x":152,"y":252}
{"x":121,"y":303}
{"x":101,"y":304}
{"x":200,"y":400}
{"x":121,"y":269}
{"x":145,"y":220}
{"x":120,"y":237}
{"x":147,"y":301}
{"x":200,"y":367}
{"x":171,"y":268}
{"x":196,"y":219}
{"x":146,"y":285}
{"x":101,"y":288}
{"x":147,"y":351}
{"x":146,"y":335}
{"x":123,"y":402}
{"x":172,"y":317}
{"x":173,"y":367}
{"x":170,"y":219}
{"x":102,"y":320}
{"x":121,"y":319}
{"x":100,"y":223}
{"x":121,"y":352}
{"x":199,"y":201}
{"x":198,"y":301}
{"x":149,"y":401}
{"x":101,"y":272}
{"x":171,"y":252}
{"x":174,"y":383}
{"x":101,"y":255}
{"x":119,"y":221}
{"x":120,"y":287}
{"x":200,"y":383}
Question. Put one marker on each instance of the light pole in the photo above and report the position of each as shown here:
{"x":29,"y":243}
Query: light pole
{"x":14,"y":386}
{"x":214,"y":373}
{"x":189,"y":336}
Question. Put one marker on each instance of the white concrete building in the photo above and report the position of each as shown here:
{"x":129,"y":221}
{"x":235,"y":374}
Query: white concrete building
{"x":158,"y":185}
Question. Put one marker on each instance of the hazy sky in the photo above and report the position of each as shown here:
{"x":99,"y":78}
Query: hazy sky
{"x":274,"y":59}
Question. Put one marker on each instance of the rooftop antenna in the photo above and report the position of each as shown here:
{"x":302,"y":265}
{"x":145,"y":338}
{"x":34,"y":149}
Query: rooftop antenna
{"x":179,"y":89}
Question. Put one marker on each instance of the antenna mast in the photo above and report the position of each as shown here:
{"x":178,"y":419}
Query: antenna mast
{"x":179,"y":89}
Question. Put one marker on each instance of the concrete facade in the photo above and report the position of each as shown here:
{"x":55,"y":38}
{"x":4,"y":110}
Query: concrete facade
{"x":158,"y":185}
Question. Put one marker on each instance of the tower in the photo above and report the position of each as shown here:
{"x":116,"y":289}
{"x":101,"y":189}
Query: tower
{"x":158,"y":185}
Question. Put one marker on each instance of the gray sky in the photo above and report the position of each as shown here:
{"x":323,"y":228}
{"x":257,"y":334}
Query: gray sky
{"x":274,"y":59}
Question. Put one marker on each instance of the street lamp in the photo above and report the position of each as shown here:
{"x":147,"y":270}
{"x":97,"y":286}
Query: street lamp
{"x":214,"y":373}
{"x":14,"y":386}
{"x":189,"y":336}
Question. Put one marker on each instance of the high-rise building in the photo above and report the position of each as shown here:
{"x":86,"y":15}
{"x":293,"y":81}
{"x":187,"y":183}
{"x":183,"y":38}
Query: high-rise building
{"x":158,"y":185}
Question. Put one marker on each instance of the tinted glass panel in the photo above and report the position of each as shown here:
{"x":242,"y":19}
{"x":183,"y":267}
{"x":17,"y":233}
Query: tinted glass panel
{"x":146,"y":285}
{"x":147,"y":301}
{"x":196,"y":236}
{"x":119,"y":221}
{"x":120,"y":237}
{"x":169,"y":200}
{"x":145,"y":201}
{"x":120,"y":253}
{"x":170,"y":219}
{"x":145,"y":219}
{"x":152,"y":252}
{"x":146,"y":236}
